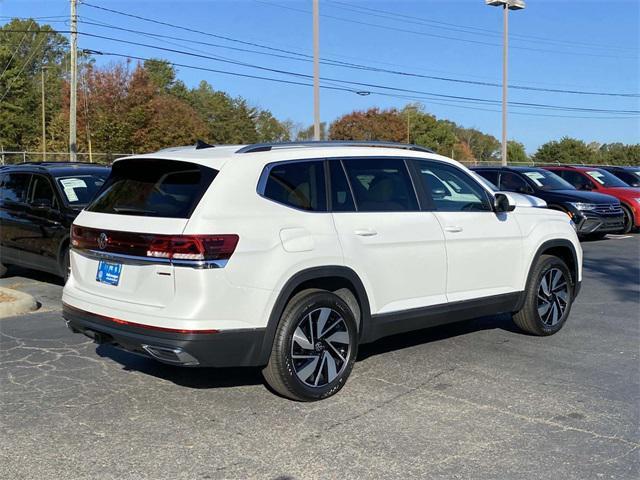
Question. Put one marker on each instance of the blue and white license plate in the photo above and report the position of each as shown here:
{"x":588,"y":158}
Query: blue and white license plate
{"x":109,"y":273}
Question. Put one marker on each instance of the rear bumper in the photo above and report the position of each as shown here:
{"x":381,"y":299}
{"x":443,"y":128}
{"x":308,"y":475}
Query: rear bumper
{"x":226,"y":348}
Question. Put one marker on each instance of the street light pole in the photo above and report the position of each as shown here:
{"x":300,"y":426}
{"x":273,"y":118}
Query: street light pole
{"x":506,"y":6}
{"x":505,"y":69}
{"x":316,"y":70}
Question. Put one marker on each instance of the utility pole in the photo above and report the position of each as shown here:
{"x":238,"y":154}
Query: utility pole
{"x":316,"y":70}
{"x":44,"y":127}
{"x":73,"y":147}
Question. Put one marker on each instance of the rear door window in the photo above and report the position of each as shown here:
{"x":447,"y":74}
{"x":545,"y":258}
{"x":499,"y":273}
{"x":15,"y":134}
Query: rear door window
{"x":14,"y":188}
{"x":381,"y":184}
{"x":153,"y":188}
{"x":299,"y":185}
{"x":41,"y":193}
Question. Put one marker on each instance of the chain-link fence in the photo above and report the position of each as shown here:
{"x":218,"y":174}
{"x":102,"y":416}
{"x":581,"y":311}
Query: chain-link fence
{"x":10,"y":157}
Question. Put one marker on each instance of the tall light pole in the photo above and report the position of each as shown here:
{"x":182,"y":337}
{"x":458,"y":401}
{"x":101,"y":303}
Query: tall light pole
{"x":506,"y":6}
{"x":73,"y":147}
{"x":316,"y":70}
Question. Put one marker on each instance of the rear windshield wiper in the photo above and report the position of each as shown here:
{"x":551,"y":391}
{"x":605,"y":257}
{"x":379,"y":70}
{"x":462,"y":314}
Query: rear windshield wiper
{"x":132,"y":210}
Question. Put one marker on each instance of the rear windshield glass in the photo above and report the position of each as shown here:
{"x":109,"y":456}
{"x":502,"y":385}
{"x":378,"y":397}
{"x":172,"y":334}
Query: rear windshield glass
{"x":80,"y":189}
{"x":153,"y":188}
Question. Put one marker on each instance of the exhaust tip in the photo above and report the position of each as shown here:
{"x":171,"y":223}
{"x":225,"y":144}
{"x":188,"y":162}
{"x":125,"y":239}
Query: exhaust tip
{"x":174,"y":355}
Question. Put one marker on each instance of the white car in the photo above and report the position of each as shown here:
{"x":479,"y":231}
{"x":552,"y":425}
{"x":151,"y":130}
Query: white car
{"x":290,"y":256}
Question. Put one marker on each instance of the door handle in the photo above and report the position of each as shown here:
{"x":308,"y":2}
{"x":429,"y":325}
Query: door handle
{"x":453,"y":229}
{"x":365,"y":232}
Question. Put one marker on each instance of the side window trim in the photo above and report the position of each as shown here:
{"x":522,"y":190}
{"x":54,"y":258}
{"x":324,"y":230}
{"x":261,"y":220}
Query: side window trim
{"x":266,"y":172}
{"x":337,"y":163}
{"x":56,"y":200}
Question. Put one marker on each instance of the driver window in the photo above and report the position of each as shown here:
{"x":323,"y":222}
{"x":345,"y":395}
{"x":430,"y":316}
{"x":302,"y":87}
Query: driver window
{"x":42,"y":193}
{"x":512,"y":182}
{"x":451,"y":189}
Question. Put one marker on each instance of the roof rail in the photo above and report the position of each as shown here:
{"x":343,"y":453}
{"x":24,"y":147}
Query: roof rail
{"x":265,"y":147}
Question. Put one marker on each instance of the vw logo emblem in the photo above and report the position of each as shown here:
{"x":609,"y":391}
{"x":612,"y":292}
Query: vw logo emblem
{"x":103,"y":240}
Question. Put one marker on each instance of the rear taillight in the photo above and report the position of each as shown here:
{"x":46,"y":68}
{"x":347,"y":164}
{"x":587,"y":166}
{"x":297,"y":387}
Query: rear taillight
{"x":193,"y":247}
{"x":171,"y":247}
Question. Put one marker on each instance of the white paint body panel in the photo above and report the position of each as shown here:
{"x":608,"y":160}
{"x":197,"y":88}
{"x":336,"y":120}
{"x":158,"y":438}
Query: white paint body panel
{"x":409,"y":261}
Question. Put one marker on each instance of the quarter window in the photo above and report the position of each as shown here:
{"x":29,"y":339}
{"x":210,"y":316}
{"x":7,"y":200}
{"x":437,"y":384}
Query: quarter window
{"x":381,"y":184}
{"x":450,"y":189}
{"x":298,"y":184}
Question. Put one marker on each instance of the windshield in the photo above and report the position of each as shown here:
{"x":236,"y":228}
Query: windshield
{"x":545,"y":180}
{"x":79,"y":190}
{"x":606,"y":179}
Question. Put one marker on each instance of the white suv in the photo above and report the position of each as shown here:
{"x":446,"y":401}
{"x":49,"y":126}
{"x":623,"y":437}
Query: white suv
{"x":292,"y":255}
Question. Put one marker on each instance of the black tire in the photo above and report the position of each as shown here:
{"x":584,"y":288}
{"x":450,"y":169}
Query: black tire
{"x":529,"y":317}
{"x":628,"y":219}
{"x":283,"y":371}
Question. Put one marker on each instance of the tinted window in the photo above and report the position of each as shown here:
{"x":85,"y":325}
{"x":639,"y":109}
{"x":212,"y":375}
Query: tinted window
{"x":606,"y":179}
{"x":491,"y":175}
{"x":546,"y":180}
{"x":80,"y":189}
{"x":42,"y":192}
{"x":630,"y":178}
{"x":14,"y":187}
{"x":155,"y":188}
{"x":574,"y":178}
{"x":341,"y":198}
{"x":381,"y":184}
{"x":451,"y":189}
{"x":298,"y":184}
{"x":512,"y":182}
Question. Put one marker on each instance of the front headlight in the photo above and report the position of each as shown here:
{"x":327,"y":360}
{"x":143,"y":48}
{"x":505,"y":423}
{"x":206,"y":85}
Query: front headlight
{"x":583,"y":206}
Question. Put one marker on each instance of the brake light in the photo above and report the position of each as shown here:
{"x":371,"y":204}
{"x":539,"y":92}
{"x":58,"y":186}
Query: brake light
{"x":176,"y":247}
{"x":193,"y":247}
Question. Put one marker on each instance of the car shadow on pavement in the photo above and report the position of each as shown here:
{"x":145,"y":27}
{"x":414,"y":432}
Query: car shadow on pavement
{"x":434,"y":334}
{"x":36,"y":275}
{"x":620,"y":273}
{"x":197,"y":378}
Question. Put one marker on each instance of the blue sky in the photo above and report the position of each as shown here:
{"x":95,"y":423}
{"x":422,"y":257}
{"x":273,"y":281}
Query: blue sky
{"x":583,"y":45}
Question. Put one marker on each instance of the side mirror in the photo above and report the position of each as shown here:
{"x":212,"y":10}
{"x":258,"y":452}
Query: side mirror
{"x":503,"y":203}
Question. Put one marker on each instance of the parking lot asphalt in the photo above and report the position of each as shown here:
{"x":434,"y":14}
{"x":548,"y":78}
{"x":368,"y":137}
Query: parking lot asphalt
{"x":472,"y":400}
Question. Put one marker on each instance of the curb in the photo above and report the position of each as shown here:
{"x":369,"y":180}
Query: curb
{"x":18,"y":303}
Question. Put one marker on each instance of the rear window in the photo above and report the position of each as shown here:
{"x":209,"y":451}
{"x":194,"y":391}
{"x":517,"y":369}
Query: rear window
{"x":298,"y":184}
{"x":153,"y":188}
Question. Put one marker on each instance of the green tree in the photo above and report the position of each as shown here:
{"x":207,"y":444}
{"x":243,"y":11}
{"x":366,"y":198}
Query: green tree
{"x":516,"y":152}
{"x":372,"y":124}
{"x":22,"y":57}
{"x":619,"y":154}
{"x":270,"y":129}
{"x":567,"y":150}
{"x":306,"y":134}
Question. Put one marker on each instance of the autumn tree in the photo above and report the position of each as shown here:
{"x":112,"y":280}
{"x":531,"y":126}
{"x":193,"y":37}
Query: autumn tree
{"x":373,"y":124}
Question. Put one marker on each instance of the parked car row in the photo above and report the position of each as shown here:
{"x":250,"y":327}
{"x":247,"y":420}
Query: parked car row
{"x":289,"y":256}
{"x":595,"y":199}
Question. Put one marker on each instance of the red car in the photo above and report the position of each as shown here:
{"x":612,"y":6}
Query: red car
{"x":601,"y":181}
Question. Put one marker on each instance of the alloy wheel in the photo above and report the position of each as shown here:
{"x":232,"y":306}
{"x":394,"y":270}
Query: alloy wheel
{"x":553,"y":296}
{"x":320,"y":347}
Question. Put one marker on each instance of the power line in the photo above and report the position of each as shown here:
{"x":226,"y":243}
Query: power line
{"x":15,"y":52}
{"x":434,"y":35}
{"x":461,"y":28}
{"x":351,"y":65}
{"x":362,"y":84}
{"x":326,"y":87}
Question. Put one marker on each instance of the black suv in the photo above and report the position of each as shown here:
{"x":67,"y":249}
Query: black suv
{"x":629,"y":175}
{"x":594,"y":214}
{"x":38,"y":203}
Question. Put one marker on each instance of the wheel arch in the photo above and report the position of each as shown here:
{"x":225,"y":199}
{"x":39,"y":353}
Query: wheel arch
{"x":563,"y":249}
{"x":338,"y":279}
